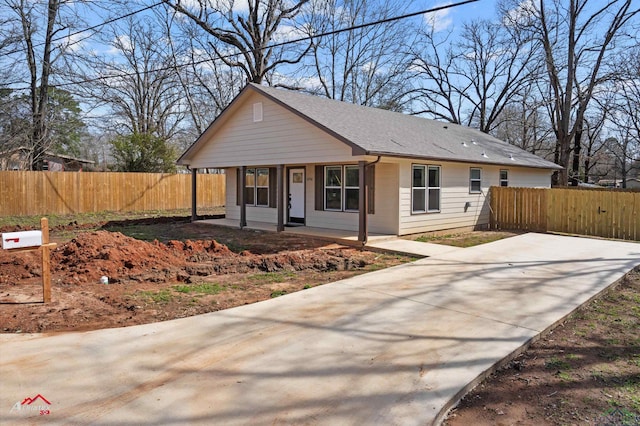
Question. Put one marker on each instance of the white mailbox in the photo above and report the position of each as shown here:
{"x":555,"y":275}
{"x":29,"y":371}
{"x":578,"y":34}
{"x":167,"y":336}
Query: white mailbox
{"x":14,"y":240}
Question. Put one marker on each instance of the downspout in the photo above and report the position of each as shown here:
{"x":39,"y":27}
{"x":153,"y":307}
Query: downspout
{"x":363,"y":204}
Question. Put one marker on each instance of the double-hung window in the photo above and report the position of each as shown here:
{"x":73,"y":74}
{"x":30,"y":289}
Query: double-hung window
{"x":256,"y":190}
{"x":475,"y":180}
{"x":504,"y":178}
{"x":341,"y":188}
{"x":425,"y":189}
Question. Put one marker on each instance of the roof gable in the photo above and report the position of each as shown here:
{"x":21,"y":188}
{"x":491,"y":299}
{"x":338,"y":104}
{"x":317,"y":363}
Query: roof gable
{"x":372,"y":131}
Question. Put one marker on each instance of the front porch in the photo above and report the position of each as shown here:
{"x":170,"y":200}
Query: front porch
{"x":382,"y":242}
{"x":337,"y":235}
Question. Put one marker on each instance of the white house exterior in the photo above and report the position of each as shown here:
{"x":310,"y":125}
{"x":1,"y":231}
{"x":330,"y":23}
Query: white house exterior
{"x":322,"y":163}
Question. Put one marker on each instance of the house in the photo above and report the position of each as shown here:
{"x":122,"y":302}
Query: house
{"x":19,"y":159}
{"x":630,"y":183}
{"x":297,"y":159}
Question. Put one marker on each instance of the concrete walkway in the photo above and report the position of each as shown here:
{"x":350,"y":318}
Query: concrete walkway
{"x":393,"y":347}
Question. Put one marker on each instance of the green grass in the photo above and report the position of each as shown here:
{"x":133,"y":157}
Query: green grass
{"x":162,"y":296}
{"x":91,"y":218}
{"x":467,"y":239}
{"x":278,"y":293}
{"x":202,"y":288}
{"x":555,"y":363}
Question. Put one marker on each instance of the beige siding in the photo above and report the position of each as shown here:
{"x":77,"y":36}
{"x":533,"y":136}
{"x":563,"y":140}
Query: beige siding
{"x":326,"y":219}
{"x":280,"y":138}
{"x":455,"y":194}
{"x":232,"y":210}
{"x":386,"y":213}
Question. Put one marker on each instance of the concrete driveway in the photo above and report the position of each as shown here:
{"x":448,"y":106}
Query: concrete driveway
{"x":391,"y":347}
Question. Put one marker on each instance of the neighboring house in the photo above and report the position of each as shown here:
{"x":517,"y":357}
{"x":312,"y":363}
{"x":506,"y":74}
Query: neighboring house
{"x":19,"y":159}
{"x":349,"y":167}
{"x":631,"y":183}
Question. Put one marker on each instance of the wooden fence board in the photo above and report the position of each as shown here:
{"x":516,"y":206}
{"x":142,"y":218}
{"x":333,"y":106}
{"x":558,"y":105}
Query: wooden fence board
{"x":602,"y":213}
{"x":32,"y":193}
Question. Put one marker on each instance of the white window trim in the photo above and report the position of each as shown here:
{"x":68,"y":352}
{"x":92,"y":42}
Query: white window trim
{"x":471,"y":191}
{"x":503,"y":180}
{"x":261,"y":186}
{"x":439,"y":188}
{"x":426,"y":188}
{"x":255,"y":186}
{"x":343,"y":187}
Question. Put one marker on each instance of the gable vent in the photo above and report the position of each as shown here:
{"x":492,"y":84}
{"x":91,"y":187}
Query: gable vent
{"x":257,"y":112}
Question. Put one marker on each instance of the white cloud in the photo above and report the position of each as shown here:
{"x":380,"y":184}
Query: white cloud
{"x":287,"y":33}
{"x":439,"y":20}
{"x":522,"y":13}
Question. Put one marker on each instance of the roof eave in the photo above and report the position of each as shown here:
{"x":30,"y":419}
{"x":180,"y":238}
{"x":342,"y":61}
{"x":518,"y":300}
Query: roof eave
{"x":551,"y":166}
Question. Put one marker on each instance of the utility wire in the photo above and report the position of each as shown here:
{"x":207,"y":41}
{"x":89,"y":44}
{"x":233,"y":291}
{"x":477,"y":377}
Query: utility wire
{"x":95,"y":27}
{"x":271,"y":46}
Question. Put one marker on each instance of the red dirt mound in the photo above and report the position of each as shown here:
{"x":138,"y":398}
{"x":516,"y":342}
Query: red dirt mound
{"x":112,"y":254}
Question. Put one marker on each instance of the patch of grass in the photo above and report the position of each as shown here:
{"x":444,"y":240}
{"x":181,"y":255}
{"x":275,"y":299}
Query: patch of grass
{"x":33,"y":221}
{"x":465,"y":239}
{"x":271,"y":277}
{"x":162,"y":296}
{"x":202,"y":288}
{"x":555,"y":363}
{"x":278,"y":293}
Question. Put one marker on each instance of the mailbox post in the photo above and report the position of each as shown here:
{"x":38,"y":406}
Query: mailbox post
{"x":32,"y":241}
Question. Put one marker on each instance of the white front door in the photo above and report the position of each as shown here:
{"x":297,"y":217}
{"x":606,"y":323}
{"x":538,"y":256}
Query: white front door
{"x":296,"y":196}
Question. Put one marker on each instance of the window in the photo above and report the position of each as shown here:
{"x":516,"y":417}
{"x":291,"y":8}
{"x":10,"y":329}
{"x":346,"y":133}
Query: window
{"x":475,"y":180}
{"x":333,"y":188}
{"x":351,"y":188}
{"x":433,"y":204}
{"x":425,"y":189}
{"x":342,"y":188}
{"x":256,"y":190}
{"x":504,"y":178}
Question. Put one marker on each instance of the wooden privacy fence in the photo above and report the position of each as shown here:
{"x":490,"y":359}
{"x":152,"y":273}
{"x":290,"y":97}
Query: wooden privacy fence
{"x":36,"y":193}
{"x":601,"y":213}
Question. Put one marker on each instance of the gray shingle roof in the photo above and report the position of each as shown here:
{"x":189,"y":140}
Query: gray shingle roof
{"x":375,"y":131}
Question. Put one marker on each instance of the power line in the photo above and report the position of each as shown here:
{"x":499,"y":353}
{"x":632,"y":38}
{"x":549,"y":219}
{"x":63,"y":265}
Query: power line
{"x":95,"y":27}
{"x":271,"y":46}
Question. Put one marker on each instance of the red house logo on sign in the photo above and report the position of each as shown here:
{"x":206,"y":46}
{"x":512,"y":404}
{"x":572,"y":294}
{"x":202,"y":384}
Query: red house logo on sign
{"x":38,"y":404}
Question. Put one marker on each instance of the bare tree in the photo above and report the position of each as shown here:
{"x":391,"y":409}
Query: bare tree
{"x":578,"y":37}
{"x":473,"y":80}
{"x":365,"y":66}
{"x":31,"y":29}
{"x":246,"y":36}
{"x":137,"y":81}
{"x":626,"y":115}
{"x":207,"y":83}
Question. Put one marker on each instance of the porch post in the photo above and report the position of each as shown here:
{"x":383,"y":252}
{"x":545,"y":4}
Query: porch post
{"x":194,"y":194}
{"x":280,"y":197}
{"x":243,"y":201}
{"x":362,"y":203}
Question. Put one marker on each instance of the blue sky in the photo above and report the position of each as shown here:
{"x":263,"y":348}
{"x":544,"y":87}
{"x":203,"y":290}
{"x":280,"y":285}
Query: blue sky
{"x":455,"y":16}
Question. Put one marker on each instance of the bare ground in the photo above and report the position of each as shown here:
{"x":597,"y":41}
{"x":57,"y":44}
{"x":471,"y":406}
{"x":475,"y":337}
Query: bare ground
{"x":585,"y":372}
{"x":160,"y":280}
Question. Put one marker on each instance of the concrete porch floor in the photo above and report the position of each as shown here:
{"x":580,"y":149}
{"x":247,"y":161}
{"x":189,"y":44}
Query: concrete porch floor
{"x":329,"y":234}
{"x":385,"y":242}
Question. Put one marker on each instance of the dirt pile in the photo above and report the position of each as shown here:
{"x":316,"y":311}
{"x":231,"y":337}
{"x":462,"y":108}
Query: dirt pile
{"x":155,"y":281}
{"x":91,"y":255}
